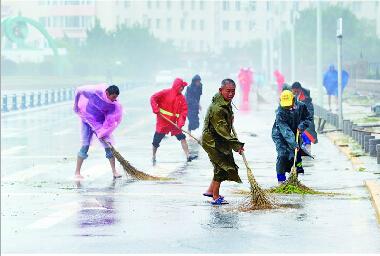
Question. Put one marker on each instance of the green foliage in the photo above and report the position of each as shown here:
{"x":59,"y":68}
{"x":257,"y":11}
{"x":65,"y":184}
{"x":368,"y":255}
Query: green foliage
{"x":129,"y":51}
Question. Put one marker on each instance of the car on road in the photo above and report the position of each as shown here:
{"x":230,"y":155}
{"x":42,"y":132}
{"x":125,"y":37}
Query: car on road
{"x":164,"y":77}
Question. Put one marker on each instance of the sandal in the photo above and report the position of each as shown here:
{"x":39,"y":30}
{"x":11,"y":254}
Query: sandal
{"x":219,"y":201}
{"x":210,"y":195}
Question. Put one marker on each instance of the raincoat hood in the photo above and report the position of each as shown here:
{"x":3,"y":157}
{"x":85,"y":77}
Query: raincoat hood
{"x":178,"y":84}
{"x":331,"y":68}
{"x":196,"y":78}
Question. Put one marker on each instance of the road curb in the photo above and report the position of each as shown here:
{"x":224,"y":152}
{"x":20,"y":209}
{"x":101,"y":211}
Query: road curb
{"x":355,"y":161}
{"x":374,"y":190}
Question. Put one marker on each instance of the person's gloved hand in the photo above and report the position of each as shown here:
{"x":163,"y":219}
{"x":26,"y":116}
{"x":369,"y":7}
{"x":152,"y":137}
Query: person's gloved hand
{"x":76,"y":109}
{"x":241,"y":150}
{"x":300,"y":129}
{"x":180,"y":124}
{"x":156,"y":110}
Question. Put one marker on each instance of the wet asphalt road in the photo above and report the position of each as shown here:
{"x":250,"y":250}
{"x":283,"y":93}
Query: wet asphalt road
{"x":44,"y":210}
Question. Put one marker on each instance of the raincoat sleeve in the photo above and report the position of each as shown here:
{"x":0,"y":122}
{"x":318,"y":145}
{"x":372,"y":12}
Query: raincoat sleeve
{"x":183,"y":114}
{"x":112,"y":120}
{"x":86,"y":91}
{"x":306,"y":118}
{"x":154,"y":101}
{"x":219,"y":122}
{"x":286,"y":131}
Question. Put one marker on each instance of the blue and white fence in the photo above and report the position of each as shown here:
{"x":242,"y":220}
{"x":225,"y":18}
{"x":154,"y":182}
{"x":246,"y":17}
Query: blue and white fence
{"x":28,"y":100}
{"x":32,"y":99}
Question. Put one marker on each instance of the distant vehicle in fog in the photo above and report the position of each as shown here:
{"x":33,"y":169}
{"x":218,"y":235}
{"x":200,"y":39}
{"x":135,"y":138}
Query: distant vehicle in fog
{"x":164,"y":77}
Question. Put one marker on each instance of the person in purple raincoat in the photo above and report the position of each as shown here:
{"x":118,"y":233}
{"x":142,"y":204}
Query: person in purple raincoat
{"x":100,"y":114}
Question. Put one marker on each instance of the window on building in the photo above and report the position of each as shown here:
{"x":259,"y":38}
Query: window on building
{"x":157,"y":4}
{"x":193,"y":25}
{"x":237,"y":5}
{"x":182,"y":4}
{"x":183,"y":24}
{"x":72,"y":21}
{"x":252,"y":5}
{"x":117,"y":20}
{"x":149,"y":4}
{"x":192,"y":4}
{"x":168,"y":4}
{"x":252,"y":25}
{"x":201,"y":5}
{"x":226,"y":25}
{"x":201,"y":45}
{"x":226,"y":5}
{"x":226,"y":44}
{"x":157,"y":23}
{"x":149,"y":22}
{"x":238,"y":44}
{"x":202,"y":25}
{"x":169,"y":24}
{"x":237,"y":25}
{"x":127,"y":4}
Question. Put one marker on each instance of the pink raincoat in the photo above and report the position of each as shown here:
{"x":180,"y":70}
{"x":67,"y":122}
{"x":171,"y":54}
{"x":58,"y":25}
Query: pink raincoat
{"x":95,"y":109}
{"x":280,"y":80}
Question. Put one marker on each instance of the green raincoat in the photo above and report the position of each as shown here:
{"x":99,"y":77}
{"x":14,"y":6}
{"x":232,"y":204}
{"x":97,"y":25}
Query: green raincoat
{"x":218,"y":141}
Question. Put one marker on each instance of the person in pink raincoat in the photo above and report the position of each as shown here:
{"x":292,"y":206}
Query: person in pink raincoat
{"x":245,"y":80}
{"x":100,"y":113}
{"x":280,"y":80}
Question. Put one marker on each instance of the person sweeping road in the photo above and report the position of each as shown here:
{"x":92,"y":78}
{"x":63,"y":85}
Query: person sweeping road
{"x":193,"y":96}
{"x":309,"y":135}
{"x":100,"y":113}
{"x":218,"y":141}
{"x":171,"y":104}
{"x":290,"y":117}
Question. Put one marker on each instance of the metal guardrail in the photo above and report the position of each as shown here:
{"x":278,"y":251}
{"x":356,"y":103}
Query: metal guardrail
{"x":22,"y":101}
{"x":366,"y":139}
{"x":29,"y":100}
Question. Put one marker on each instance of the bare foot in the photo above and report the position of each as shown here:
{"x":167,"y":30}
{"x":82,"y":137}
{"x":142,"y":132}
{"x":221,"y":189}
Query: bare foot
{"x":78,"y":177}
{"x":116,"y":175}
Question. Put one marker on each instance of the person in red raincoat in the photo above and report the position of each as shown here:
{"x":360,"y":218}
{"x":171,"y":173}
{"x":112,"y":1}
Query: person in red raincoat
{"x":171,"y":104}
{"x":245,"y":80}
{"x":280,"y":80}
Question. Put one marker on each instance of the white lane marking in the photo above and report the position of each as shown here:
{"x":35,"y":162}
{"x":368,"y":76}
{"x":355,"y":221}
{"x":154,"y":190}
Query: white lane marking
{"x":28,"y":173}
{"x":56,"y":217}
{"x":64,"y":212}
{"x":63,"y":132}
{"x":135,"y":126}
{"x":11,"y":150}
{"x":63,"y":157}
{"x":163,"y":194}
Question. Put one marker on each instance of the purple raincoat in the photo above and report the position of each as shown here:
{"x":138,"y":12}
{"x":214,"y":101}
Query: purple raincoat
{"x":96,"y":110}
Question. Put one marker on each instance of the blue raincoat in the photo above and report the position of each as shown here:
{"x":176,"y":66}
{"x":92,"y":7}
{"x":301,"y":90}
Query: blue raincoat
{"x":330,"y":80}
{"x":193,"y":96}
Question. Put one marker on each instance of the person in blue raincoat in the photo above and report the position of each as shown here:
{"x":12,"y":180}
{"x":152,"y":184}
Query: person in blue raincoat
{"x":193,"y":96}
{"x":330,"y":82}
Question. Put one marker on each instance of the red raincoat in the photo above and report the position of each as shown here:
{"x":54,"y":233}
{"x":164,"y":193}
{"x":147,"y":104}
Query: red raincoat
{"x":172,"y":104}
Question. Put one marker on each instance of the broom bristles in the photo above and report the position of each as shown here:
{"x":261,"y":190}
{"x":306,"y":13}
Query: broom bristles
{"x":132,"y":171}
{"x":259,"y":199}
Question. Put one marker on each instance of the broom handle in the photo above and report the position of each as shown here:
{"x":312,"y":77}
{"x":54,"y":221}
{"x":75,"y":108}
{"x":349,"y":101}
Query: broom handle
{"x":242,"y":153}
{"x":296,"y":151}
{"x":167,"y":119}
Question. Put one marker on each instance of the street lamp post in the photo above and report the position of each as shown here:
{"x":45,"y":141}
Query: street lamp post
{"x":339,"y":35}
{"x":319,"y":55}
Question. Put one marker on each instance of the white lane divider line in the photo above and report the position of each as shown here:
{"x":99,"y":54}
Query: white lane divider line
{"x":64,"y":212}
{"x":11,"y":150}
{"x":63,"y":132}
{"x":28,"y":173}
